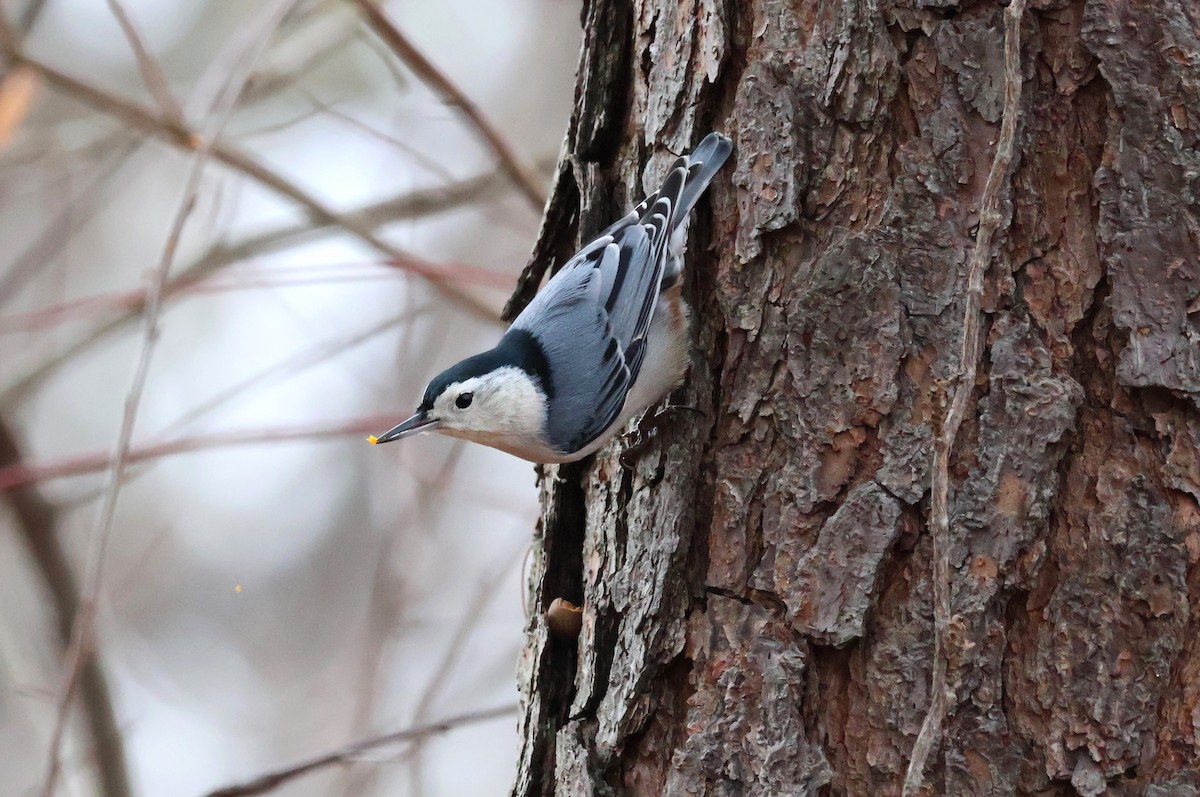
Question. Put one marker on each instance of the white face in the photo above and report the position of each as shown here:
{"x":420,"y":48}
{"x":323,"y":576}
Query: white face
{"x":503,"y":409}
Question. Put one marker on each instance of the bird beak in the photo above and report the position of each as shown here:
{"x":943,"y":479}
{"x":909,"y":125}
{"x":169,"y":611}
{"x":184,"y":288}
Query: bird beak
{"x":421,"y":422}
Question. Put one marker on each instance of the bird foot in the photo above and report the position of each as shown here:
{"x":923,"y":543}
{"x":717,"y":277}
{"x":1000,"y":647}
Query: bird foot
{"x":636,"y":441}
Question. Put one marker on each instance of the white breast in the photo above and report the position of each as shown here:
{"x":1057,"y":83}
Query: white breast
{"x":663,"y":367}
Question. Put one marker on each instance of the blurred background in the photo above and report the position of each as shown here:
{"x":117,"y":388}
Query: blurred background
{"x":270,"y":587}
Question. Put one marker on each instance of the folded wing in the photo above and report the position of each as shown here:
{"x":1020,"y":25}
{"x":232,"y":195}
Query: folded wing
{"x":592,"y":318}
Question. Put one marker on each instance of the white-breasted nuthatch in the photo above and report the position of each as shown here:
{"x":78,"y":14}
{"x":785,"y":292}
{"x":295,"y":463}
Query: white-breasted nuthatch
{"x":605,"y":339}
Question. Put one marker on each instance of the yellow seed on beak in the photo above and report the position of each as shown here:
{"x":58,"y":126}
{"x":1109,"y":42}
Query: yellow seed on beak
{"x":372,"y":439}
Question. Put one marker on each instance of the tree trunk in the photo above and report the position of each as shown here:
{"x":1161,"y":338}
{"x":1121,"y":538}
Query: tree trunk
{"x":768,"y":582}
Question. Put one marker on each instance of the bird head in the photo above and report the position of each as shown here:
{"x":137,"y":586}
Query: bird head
{"x":488,"y":398}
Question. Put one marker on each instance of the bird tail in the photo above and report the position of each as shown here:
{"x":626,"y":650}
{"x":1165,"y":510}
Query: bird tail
{"x":703,"y":164}
{"x":697,"y":171}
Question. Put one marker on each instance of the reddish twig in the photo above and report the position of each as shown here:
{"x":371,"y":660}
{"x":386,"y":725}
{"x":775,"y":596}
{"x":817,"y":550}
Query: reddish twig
{"x":37,"y":522}
{"x":83,"y":628}
{"x":270,"y":279}
{"x":79,"y":649}
{"x":939,"y":514}
{"x":347,"y":754}
{"x":18,"y":89}
{"x":521,"y":173}
{"x":76,"y":211}
{"x":152,"y":74}
{"x":19,"y":475}
{"x":416,"y":204}
{"x":139,"y":118}
{"x":471,"y":616}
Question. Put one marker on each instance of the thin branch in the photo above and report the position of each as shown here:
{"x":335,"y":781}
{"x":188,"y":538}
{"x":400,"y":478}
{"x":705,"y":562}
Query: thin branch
{"x":939,"y":513}
{"x":31,"y":158}
{"x":56,"y":233}
{"x":79,"y":649}
{"x":521,"y":173}
{"x":18,"y":87}
{"x":348,"y":754}
{"x":307,"y":46}
{"x":278,"y":372}
{"x":29,"y":16}
{"x":37,"y":523}
{"x":298,"y":363}
{"x":139,"y":118}
{"x":429,"y":164}
{"x":152,"y":74}
{"x":19,"y":475}
{"x":471,"y":617}
{"x":416,"y":204}
{"x":384,"y":614}
{"x":274,"y":279}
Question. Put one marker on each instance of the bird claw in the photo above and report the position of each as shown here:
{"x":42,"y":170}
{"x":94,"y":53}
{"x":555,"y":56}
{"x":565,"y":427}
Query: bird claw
{"x":638,"y":440}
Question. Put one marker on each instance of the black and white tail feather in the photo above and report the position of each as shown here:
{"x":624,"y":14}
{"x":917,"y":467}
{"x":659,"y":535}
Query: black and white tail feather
{"x":578,"y":351}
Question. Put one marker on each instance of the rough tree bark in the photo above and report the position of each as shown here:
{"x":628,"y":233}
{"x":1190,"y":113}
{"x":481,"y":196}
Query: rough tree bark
{"x":758,"y":581}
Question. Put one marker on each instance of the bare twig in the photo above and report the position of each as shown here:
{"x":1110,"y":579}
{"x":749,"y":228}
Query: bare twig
{"x":139,"y":118}
{"x":152,"y":74}
{"x":416,"y":204}
{"x":277,"y":372}
{"x":297,"y":363}
{"x":29,"y":16}
{"x":18,"y":87}
{"x":939,"y":513}
{"x":471,"y":616}
{"x":78,"y":651}
{"x":22,"y":474}
{"x":306,"y":46}
{"x":521,"y":173}
{"x":347,"y":754}
{"x":431,"y":165}
{"x":37,"y":522}
{"x":56,"y":233}
{"x":82,"y":629}
{"x":384,"y":615}
{"x":336,"y":273}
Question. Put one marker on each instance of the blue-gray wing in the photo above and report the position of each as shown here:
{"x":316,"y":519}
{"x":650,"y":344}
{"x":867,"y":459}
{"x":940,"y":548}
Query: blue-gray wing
{"x":592,"y":318}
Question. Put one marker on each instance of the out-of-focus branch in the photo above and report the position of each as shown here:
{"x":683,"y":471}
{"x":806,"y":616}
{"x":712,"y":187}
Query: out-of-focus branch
{"x":416,"y":204}
{"x":105,"y":304}
{"x":307,"y":45}
{"x":18,"y":88}
{"x":139,"y":118}
{"x":29,"y":16}
{"x":521,"y":173}
{"x":990,"y":220}
{"x":277,"y":372}
{"x":80,"y":648}
{"x":56,"y":234}
{"x":471,"y":616}
{"x":20,"y":474}
{"x":37,"y":523}
{"x":347,"y":754}
{"x":152,"y":74}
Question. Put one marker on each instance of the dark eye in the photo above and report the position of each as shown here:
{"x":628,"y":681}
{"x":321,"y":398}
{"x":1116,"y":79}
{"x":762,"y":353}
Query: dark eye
{"x":464,"y":400}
